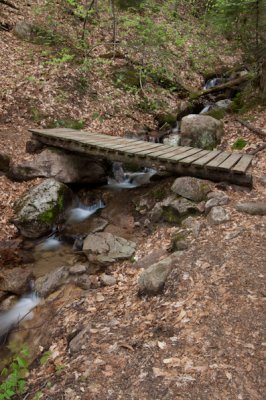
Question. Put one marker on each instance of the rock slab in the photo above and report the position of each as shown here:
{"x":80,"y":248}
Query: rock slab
{"x":105,"y":248}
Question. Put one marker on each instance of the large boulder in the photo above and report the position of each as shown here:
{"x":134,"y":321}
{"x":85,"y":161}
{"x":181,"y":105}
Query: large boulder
{"x":152,"y":279}
{"x":49,"y":283}
{"x":201,"y":131}
{"x":105,"y":248}
{"x":63,"y":166}
{"x":191,"y":188}
{"x":42,"y":207}
{"x":15,"y":280}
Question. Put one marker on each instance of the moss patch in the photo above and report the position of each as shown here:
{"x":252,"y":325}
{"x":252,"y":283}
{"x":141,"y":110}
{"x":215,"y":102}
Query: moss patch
{"x":239,"y":144}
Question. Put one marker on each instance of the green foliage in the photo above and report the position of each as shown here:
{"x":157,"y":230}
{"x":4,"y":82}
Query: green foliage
{"x":45,"y":357}
{"x":64,"y":56}
{"x":239,"y":144}
{"x":14,"y":383}
{"x":217,"y":113}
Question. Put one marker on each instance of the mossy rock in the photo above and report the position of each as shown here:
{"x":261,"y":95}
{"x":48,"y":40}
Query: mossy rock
{"x":41,"y":208}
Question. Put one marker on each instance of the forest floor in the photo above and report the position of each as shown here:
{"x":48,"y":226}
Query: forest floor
{"x":204,"y":336}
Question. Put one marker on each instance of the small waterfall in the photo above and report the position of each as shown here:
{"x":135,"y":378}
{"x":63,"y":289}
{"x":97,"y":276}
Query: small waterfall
{"x":82,"y":212}
{"x":213,"y":82}
{"x":51,"y":243}
{"x":20,"y":311}
{"x":132,"y":179}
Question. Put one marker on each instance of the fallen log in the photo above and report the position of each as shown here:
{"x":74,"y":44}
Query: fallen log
{"x":230,"y":84}
{"x":252,"y":128}
{"x":261,"y":148}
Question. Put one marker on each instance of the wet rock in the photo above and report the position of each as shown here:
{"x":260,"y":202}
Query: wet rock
{"x":49,"y":283}
{"x":41,"y":208}
{"x":191,"y":188}
{"x":4,"y":162}
{"x":152,"y":280}
{"x":216,"y":199}
{"x":24,"y":30}
{"x":2,"y":295}
{"x":252,"y":207}
{"x":107,"y":280}
{"x":194,"y":226}
{"x":63,"y":166}
{"x":78,"y":269}
{"x":105,"y":248}
{"x":15,"y":280}
{"x":201,"y":131}
{"x":218,"y":215}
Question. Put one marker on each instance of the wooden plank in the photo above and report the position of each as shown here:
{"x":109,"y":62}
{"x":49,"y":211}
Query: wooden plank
{"x":136,"y":149}
{"x":213,"y":164}
{"x":204,"y":160}
{"x":184,"y":155}
{"x":166,"y":152}
{"x":153,"y":147}
{"x":179,"y":150}
{"x":188,"y":160}
{"x":229,"y":162}
{"x":166,"y":147}
{"x":243,"y":164}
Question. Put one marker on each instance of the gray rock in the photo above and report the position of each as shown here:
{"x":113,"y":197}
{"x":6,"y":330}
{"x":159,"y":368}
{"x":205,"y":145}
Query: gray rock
{"x":82,"y":281}
{"x":155,"y":256}
{"x":152,"y":280}
{"x":252,"y":207}
{"x":104,"y":248}
{"x":107,"y":280}
{"x":220,"y":200}
{"x":191,"y":188}
{"x":23,"y":30}
{"x":4,"y":162}
{"x":41,"y":207}
{"x":194,"y":226}
{"x":201,"y":131}
{"x":63,"y":166}
{"x":7,"y":303}
{"x":218,"y":215}
{"x":15,"y":280}
{"x":172,"y":140}
{"x":51,"y":282}
{"x":80,"y":341}
{"x":78,"y":269}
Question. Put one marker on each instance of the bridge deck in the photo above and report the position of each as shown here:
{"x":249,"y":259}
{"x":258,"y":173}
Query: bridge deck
{"x":214,"y":165}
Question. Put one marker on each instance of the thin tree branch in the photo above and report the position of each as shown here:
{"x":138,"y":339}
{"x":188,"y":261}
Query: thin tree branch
{"x":252,"y":128}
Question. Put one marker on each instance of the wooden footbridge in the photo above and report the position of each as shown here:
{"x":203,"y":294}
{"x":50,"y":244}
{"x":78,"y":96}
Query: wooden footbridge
{"x":213,"y":165}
